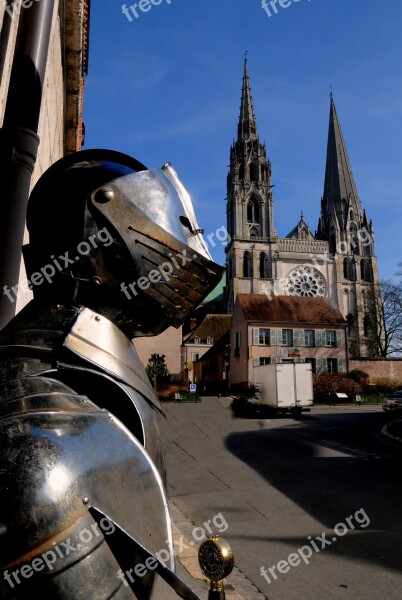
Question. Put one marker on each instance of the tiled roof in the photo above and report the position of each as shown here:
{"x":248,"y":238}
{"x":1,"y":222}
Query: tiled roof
{"x":288,"y":309}
{"x":214,"y":326}
{"x":219,"y":347}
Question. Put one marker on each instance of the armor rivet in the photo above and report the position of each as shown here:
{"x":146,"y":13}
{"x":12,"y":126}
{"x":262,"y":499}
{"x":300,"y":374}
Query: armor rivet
{"x":97,"y":318}
{"x":85,"y":500}
{"x":97,"y":280}
{"x":103,"y":196}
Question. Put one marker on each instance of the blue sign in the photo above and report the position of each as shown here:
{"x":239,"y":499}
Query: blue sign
{"x":193,"y":387}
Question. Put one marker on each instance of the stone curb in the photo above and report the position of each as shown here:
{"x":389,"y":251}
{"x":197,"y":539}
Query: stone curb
{"x":237,"y":586}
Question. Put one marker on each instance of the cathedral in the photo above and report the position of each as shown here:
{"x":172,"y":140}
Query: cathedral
{"x":337,"y":262}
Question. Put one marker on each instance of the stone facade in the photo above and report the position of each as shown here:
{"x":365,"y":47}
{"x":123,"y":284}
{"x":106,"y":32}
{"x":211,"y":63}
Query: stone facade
{"x":337,"y":263}
{"x":390,"y":368}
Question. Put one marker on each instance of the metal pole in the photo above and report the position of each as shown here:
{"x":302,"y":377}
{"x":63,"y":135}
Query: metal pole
{"x":19,"y":141}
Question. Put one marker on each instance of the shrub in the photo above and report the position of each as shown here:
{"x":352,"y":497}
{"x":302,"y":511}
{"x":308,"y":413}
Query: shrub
{"x":385,"y":385}
{"x":167,"y":391}
{"x":245,"y":390}
{"x":325,"y":387}
{"x":359,"y":376}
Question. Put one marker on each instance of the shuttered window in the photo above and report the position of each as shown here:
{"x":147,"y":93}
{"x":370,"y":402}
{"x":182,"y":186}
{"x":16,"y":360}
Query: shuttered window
{"x":261,"y":336}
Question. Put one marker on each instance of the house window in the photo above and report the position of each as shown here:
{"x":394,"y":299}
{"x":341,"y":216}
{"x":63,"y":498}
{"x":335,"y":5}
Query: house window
{"x":287,"y":337}
{"x":313,"y":364}
{"x":195,"y":356}
{"x":330,"y":338}
{"x":196,"y":340}
{"x":332,"y":365}
{"x":261,"y":337}
{"x":259,"y":361}
{"x":210,"y":341}
{"x":309,"y":337}
{"x":237,"y":344}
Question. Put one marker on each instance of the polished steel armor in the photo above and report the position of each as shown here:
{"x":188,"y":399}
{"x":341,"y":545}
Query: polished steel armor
{"x":82,"y":473}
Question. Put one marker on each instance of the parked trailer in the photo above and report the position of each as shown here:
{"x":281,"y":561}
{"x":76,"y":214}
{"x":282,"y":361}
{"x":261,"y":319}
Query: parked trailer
{"x":285,"y":387}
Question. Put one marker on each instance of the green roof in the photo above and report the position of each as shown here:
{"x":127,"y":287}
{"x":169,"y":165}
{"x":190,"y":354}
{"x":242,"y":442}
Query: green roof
{"x":217,"y":293}
{"x":291,"y":234}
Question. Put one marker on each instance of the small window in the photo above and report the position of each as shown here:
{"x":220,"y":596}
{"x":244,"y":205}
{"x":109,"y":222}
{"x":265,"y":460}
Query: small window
{"x":330,"y":338}
{"x":287,"y":337}
{"x":313,"y":363}
{"x":309,"y":338}
{"x":237,"y":344}
{"x":332,"y":365}
{"x":196,"y":340}
{"x":195,"y":356}
{"x":210,"y":341}
{"x":259,"y":361}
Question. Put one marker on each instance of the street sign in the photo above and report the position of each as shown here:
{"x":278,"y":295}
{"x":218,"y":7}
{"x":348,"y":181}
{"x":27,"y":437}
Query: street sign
{"x":193,"y":387}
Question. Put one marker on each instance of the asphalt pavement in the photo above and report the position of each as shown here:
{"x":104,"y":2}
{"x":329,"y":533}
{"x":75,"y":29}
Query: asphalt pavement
{"x":278,"y":482}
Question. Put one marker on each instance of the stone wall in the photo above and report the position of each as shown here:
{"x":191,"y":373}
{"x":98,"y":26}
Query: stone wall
{"x":391,"y":368}
{"x":167,"y":343}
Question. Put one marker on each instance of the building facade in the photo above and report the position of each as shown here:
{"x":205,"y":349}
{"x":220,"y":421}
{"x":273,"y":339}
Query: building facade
{"x":61,"y":128}
{"x":337,"y":262}
{"x":285,"y":329}
{"x":201,"y":339}
{"x":167,"y":343}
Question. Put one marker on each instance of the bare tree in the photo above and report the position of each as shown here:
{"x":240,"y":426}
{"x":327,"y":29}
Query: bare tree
{"x":383,"y":322}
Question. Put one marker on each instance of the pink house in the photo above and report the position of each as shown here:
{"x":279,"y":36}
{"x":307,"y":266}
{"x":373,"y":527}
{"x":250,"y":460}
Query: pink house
{"x":286,"y":329}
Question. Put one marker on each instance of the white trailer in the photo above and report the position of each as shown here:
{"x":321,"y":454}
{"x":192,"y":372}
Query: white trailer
{"x":285,"y":387}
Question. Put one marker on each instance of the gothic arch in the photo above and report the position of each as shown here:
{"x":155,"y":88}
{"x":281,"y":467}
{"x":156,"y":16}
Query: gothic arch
{"x":366,"y":272}
{"x":247,"y":264}
{"x":253,"y":173}
{"x":332,"y":240}
{"x":351,"y":323}
{"x":265,"y":266}
{"x":253,"y":210}
{"x":349,"y":269}
{"x":368,"y":324}
{"x":354,"y":240}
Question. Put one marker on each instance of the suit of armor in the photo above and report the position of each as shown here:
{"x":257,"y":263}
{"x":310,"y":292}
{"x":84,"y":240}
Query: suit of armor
{"x":83,"y":505}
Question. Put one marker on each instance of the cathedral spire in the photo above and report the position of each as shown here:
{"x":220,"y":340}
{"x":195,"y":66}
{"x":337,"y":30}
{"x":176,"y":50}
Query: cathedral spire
{"x":247,"y":128}
{"x":339,"y":180}
{"x":340,"y":202}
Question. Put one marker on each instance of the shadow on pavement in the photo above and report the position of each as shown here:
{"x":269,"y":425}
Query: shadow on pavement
{"x":331,"y":470}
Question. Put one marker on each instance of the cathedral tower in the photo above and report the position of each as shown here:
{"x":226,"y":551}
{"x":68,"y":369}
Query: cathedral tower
{"x":249,"y":206}
{"x":337,"y":263}
{"x":350,"y":236}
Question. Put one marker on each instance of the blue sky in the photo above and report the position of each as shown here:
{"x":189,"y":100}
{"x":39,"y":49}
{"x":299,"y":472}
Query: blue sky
{"x":166,"y":87}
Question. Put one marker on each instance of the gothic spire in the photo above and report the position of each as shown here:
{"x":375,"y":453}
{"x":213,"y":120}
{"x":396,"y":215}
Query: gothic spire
{"x":340,"y":192}
{"x":340,"y":205}
{"x":247,"y":128}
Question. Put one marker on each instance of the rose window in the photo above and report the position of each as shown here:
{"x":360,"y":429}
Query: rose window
{"x":305,"y":281}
